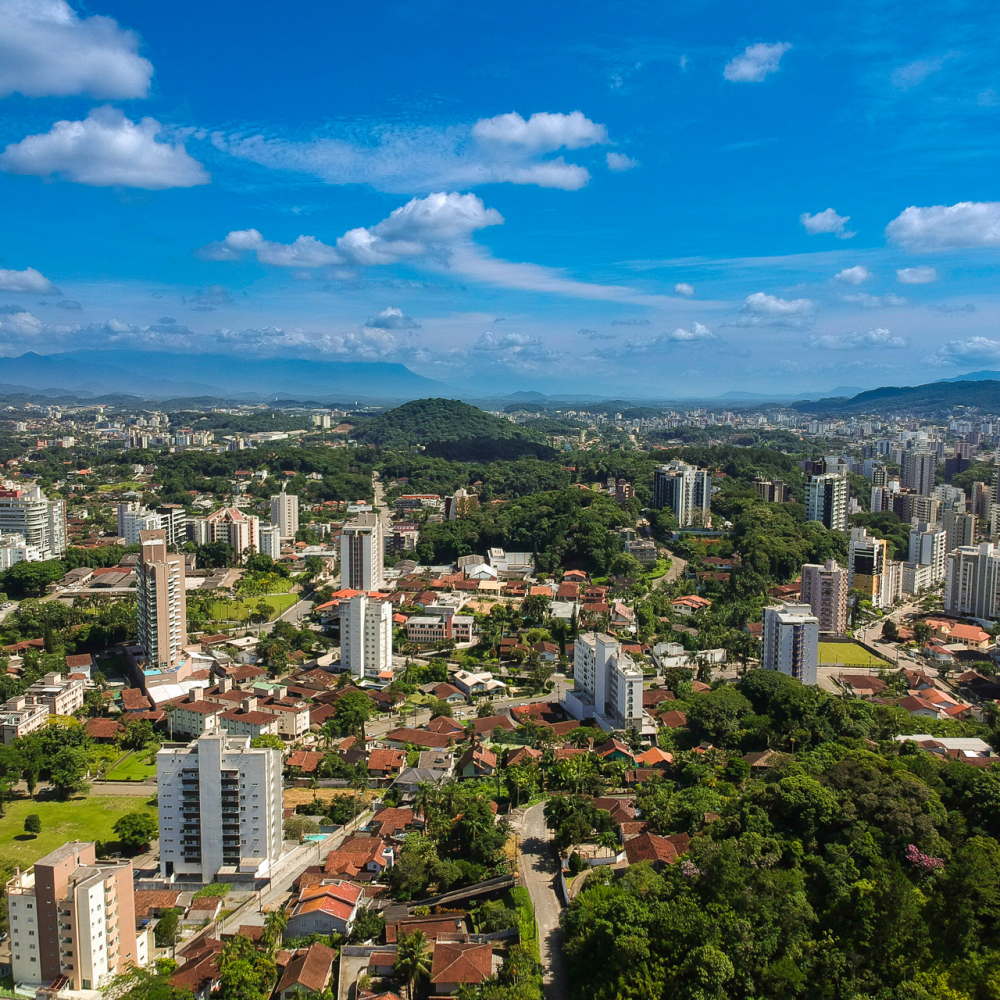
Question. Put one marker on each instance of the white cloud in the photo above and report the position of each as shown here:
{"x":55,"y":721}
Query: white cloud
{"x":755,"y":62}
{"x":619,"y":162}
{"x":306,"y":251}
{"x":916,"y":275}
{"x":105,"y":150}
{"x":761,"y":309}
{"x":965,"y":225}
{"x":826,"y":221}
{"x":889,"y":300}
{"x":914,"y":73}
{"x":858,"y":340}
{"x":854,"y":275}
{"x":28,"y":280}
{"x":974,"y":350}
{"x":683,"y":288}
{"x":505,"y":149}
{"x":21,"y":324}
{"x":543,"y":132}
{"x":697,"y":331}
{"x":391,"y":318}
{"x":47,"y":50}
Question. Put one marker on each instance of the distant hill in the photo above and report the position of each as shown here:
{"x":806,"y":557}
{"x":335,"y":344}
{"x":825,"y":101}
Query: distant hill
{"x":448,"y":428}
{"x":918,"y":399}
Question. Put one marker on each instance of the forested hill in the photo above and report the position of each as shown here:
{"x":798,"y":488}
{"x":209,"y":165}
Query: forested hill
{"x":918,"y":399}
{"x":447,"y":428}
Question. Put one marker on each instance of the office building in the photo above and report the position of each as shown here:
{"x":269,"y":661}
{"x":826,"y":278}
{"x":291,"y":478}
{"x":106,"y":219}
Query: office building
{"x":607,"y":684}
{"x":72,"y":918}
{"x":220,"y":808}
{"x":365,"y":636}
{"x":867,"y":564}
{"x":269,"y":537}
{"x":285,"y":513}
{"x":791,"y":642}
{"x":959,"y":527}
{"x":824,"y":589}
{"x":26,"y":511}
{"x":686,"y":490}
{"x":972,"y":582}
{"x":917,"y":471}
{"x":361,"y":553}
{"x":239,"y":530}
{"x":929,"y":547}
{"x":826,"y":500}
{"x":161,"y":603}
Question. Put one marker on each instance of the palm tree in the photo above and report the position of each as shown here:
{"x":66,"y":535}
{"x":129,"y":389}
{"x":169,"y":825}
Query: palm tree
{"x":608,"y":839}
{"x":274,"y":929}
{"x":424,"y":800}
{"x":413,"y":959}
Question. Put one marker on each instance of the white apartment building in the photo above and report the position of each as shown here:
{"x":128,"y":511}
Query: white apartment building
{"x":972,"y":582}
{"x":15,"y":549}
{"x":791,"y":642}
{"x":74,"y":917}
{"x":826,"y":500}
{"x":929,"y":547}
{"x":365,"y":636}
{"x":220,"y":808}
{"x":607,"y":684}
{"x":361,"y":553}
{"x":132,"y":518}
{"x":26,"y":511}
{"x":161,"y":602}
{"x":58,"y":694}
{"x":285,"y":513}
{"x":684,"y":489}
{"x":270,"y":540}
{"x":20,"y":716}
{"x":232,"y":525}
{"x":959,"y":527}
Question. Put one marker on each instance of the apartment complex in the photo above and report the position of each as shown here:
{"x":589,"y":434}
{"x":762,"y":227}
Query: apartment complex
{"x":929,"y":547}
{"x":269,"y":536}
{"x":161,"y":604}
{"x":19,"y":716}
{"x":972,"y":582}
{"x":868,"y":565}
{"x":824,"y":589}
{"x":686,"y":490}
{"x":791,"y":642}
{"x":231,"y":525}
{"x":59,"y":694}
{"x":960,"y":528}
{"x":365,"y":636}
{"x":72,"y":916}
{"x":361,"y":553}
{"x":220,"y":808}
{"x":41,"y":522}
{"x":826,"y":500}
{"x":285,"y":513}
{"x":607,"y":683}
{"x":917,"y":471}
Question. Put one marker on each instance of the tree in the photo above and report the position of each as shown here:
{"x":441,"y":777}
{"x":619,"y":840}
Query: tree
{"x":166,"y":928}
{"x":146,"y":984}
{"x":921,"y":633}
{"x":890,"y":631}
{"x":138,"y":733}
{"x":352,"y":712}
{"x":413,"y":959}
{"x":67,"y":772}
{"x":136,"y":830}
{"x":33,"y":824}
{"x":608,"y":839}
{"x":268,"y":740}
{"x":274,"y":930}
{"x":296,"y":827}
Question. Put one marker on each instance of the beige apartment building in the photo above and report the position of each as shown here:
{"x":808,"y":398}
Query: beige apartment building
{"x":21,"y":716}
{"x":59,"y":694}
{"x":161,"y":604}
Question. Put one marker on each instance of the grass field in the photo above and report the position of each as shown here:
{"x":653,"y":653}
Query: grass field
{"x":113,"y":487}
{"x":90,"y":818}
{"x":848,"y":653}
{"x":132,"y":768}
{"x":230,"y":610}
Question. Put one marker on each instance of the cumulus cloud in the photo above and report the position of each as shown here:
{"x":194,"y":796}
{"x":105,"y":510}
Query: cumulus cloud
{"x":916,"y":275}
{"x":697,"y":331}
{"x":965,"y":225}
{"x":887,"y":301}
{"x":47,"y":50}
{"x":827,"y":221}
{"x":755,"y":62}
{"x":21,"y":324}
{"x":761,"y":309}
{"x":853,"y":275}
{"x":505,"y":149}
{"x":28,"y":280}
{"x":518,"y":351}
{"x":683,"y":288}
{"x":305,"y":251}
{"x":858,"y":340}
{"x":974,"y":350}
{"x":543,"y":132}
{"x":105,"y":150}
{"x":619,"y":162}
{"x":392,"y":318}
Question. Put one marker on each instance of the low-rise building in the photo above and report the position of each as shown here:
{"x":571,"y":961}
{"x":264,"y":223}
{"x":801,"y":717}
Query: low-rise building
{"x":61,"y":695}
{"x":20,"y":716}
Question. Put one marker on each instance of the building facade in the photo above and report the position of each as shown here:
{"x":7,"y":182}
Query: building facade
{"x":918,"y":469}
{"x":960,"y":528}
{"x":791,"y":642}
{"x":826,"y":500}
{"x":220,"y":808}
{"x":686,"y":490}
{"x":929,"y":547}
{"x":26,"y":511}
{"x":361,"y":553}
{"x":285,"y":513}
{"x":161,"y":602}
{"x":607,"y":683}
{"x":231,"y":525}
{"x":270,"y":540}
{"x":867,"y":566}
{"x":972,"y":582}
{"x":824,"y":589}
{"x":365,"y":636}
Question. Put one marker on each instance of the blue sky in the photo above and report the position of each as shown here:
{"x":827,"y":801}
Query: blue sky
{"x":628,"y":198}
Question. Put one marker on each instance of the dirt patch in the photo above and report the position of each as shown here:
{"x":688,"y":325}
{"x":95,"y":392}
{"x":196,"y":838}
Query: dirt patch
{"x":299,"y":796}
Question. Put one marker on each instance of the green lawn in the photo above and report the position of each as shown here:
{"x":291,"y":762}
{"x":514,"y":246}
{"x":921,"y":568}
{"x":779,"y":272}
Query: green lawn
{"x":132,"y":768}
{"x":112,"y":487}
{"x":90,"y":818}
{"x":230,"y":610}
{"x":848,"y":653}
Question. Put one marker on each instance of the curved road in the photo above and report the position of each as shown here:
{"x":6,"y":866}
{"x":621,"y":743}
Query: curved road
{"x":539,"y":875}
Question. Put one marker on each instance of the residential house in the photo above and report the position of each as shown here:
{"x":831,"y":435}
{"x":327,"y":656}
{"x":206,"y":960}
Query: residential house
{"x":660,"y":851}
{"x":325,"y":908}
{"x":459,"y":964}
{"x":476,"y":762}
{"x":307,"y":974}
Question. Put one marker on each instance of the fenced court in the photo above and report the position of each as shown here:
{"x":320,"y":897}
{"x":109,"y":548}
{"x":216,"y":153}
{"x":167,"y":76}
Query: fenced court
{"x":848,"y":654}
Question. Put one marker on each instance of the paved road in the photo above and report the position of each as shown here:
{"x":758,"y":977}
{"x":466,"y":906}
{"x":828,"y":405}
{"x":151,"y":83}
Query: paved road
{"x":677,"y":568}
{"x":539,"y":874}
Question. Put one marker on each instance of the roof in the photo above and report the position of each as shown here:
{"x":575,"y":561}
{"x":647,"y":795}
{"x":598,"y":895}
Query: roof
{"x":432,"y":926}
{"x":419,"y":737}
{"x":650,"y":847}
{"x":384,"y":759}
{"x":306,"y":760}
{"x":103,"y":729}
{"x":674,"y":719}
{"x":311,"y":971}
{"x":389,"y":820}
{"x":492,"y":722}
{"x":461,"y":963}
{"x":154,"y":899}
{"x":654,"y":756}
{"x":134,"y":700}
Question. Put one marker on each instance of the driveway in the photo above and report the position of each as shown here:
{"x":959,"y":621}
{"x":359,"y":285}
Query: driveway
{"x":539,"y":875}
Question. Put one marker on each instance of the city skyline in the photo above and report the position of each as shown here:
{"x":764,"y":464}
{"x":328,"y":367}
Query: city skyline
{"x":686,"y":202}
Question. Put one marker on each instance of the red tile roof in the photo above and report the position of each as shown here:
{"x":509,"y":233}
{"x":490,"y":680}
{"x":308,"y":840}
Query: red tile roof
{"x":650,"y":847}
{"x":461,"y":963}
